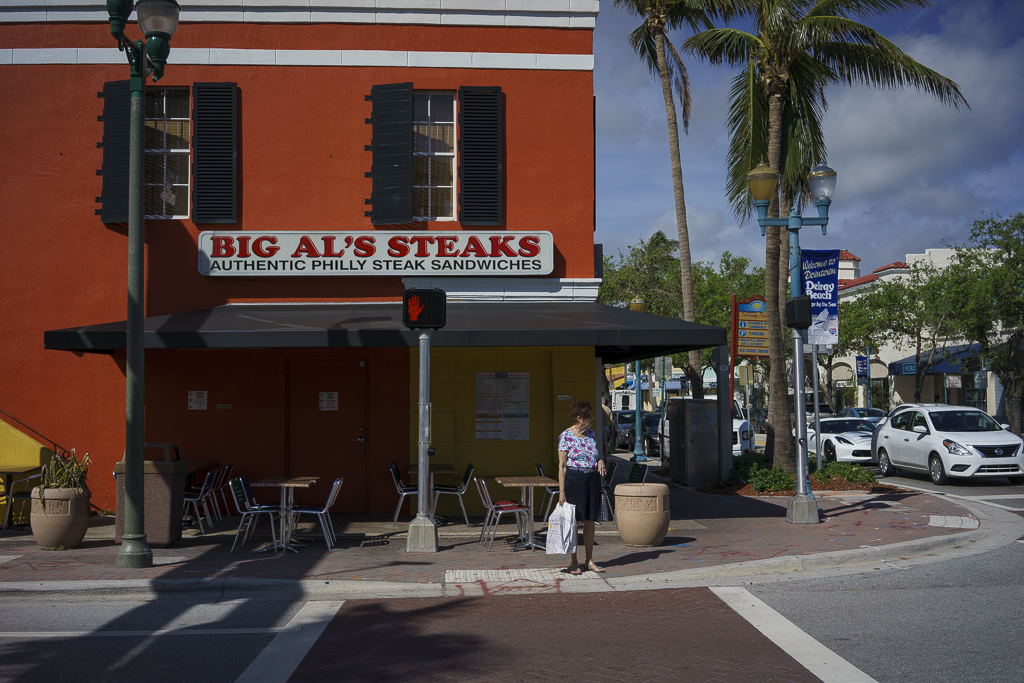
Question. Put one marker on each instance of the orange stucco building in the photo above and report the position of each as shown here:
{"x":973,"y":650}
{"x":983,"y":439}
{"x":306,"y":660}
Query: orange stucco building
{"x":270,"y":121}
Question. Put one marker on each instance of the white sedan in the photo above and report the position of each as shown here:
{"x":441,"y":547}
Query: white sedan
{"x":947,"y":442}
{"x":843,"y":439}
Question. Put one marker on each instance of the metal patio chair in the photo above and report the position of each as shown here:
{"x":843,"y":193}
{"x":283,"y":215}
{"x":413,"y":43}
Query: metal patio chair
{"x":223,"y":489}
{"x":250,"y":515}
{"x":12,"y":497}
{"x":550,"y":494}
{"x":322,"y":514}
{"x":403,"y":490}
{"x":454,"y":491}
{"x":496,"y":510}
{"x":200,"y":497}
{"x":606,"y":488}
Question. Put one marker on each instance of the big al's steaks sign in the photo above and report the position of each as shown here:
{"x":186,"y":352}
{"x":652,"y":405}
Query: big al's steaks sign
{"x":376,"y":253}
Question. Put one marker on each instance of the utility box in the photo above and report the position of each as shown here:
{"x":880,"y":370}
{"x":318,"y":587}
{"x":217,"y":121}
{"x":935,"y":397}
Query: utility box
{"x":694,"y":442}
{"x":164,"y":491}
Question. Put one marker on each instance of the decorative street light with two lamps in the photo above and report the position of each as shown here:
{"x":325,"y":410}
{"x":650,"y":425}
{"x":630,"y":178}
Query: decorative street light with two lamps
{"x":763,"y":184}
{"x":158,"y":20}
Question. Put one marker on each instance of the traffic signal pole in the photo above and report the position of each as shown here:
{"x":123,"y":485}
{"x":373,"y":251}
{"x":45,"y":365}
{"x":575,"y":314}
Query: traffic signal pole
{"x":423,"y":530}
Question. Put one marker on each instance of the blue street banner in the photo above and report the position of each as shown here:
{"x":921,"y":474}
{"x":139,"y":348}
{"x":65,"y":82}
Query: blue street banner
{"x":820,"y":269}
{"x":862,"y":371}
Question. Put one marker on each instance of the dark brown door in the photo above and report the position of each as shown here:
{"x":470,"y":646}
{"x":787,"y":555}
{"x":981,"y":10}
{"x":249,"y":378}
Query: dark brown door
{"x":326,"y":429}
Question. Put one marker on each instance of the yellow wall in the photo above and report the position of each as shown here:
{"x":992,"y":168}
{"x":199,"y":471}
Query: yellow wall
{"x":554,"y":371}
{"x":19,"y":450}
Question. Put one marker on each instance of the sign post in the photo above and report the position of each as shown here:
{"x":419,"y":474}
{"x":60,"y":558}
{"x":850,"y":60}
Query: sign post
{"x":423,"y":309}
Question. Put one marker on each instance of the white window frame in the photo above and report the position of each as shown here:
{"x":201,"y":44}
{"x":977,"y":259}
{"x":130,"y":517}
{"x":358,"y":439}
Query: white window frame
{"x":454,"y":154}
{"x":165,"y":152}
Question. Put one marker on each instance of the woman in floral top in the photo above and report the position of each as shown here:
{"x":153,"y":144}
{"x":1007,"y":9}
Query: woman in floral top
{"x":580,"y":471}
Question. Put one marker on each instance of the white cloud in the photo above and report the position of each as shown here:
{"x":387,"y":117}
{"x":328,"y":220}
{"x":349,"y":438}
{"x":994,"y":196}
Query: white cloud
{"x":912,"y":173}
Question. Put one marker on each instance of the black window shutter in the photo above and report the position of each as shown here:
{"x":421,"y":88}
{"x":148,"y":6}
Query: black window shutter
{"x":116,"y":137}
{"x":215,"y":152}
{"x":392,"y":154}
{"x":481,"y":156}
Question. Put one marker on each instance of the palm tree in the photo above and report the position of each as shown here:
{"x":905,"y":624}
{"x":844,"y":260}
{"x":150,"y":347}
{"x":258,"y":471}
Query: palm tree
{"x":799,"y":48}
{"x":656,"y":50}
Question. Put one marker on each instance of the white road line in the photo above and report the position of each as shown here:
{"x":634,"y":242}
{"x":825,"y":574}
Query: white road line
{"x":812,"y":655}
{"x":149,"y":634}
{"x":8,"y":558}
{"x":1019,"y":496}
{"x":279,"y":660}
{"x":976,"y":499}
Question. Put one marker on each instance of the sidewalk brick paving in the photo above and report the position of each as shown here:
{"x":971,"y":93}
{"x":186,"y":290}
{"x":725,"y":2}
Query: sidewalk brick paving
{"x":707,"y":530}
{"x":594,"y":638}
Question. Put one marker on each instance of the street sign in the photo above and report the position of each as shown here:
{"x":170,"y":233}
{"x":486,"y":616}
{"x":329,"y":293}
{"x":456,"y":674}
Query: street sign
{"x":862,"y":371}
{"x":751,"y":327}
{"x":424,"y":308}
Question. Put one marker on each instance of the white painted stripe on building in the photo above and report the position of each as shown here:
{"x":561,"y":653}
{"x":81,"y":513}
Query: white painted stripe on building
{"x":364,"y":58}
{"x":812,"y":655}
{"x":279,"y":660}
{"x":580,"y":14}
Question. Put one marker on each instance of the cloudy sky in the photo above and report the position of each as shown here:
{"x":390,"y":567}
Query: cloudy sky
{"x":913,"y":174}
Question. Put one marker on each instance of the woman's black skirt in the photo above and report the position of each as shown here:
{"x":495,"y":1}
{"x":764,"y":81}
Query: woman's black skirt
{"x":583,"y":489}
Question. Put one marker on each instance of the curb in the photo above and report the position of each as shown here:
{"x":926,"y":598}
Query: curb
{"x":1000,"y":528}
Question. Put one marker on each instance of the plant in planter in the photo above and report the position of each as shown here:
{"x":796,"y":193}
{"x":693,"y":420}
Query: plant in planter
{"x":60,"y":504}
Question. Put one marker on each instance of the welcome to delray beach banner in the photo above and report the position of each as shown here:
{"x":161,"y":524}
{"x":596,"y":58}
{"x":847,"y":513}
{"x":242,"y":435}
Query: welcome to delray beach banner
{"x":821,"y":283}
{"x":297,"y":253}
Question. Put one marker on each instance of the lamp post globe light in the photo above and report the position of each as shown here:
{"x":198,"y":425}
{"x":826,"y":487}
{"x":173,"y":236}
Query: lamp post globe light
{"x":638,"y":442}
{"x":158,"y":20}
{"x":763,"y":184}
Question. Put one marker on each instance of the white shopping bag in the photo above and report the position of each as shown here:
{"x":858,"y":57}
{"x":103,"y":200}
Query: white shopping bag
{"x":562,"y":530}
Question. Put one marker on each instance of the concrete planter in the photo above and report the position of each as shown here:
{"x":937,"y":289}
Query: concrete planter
{"x":61,"y":518}
{"x":642,"y":513}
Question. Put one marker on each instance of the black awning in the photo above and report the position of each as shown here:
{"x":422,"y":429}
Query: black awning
{"x":618,"y":334}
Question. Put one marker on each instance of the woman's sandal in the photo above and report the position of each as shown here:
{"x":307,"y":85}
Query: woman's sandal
{"x":574,"y":570}
{"x":591,"y":567}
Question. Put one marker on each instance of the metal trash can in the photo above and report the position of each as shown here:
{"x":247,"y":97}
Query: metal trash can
{"x":693,"y":442}
{"x":164,"y":490}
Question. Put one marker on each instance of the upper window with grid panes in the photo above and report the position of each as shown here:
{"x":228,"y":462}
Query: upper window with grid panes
{"x":433,"y":160}
{"x":166,"y":180}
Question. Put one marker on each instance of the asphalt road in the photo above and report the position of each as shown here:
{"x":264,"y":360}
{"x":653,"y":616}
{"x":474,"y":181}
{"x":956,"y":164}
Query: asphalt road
{"x":995,"y":491}
{"x":957,"y":620}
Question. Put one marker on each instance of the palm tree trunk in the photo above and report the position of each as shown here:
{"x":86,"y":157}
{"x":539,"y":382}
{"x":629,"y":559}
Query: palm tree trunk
{"x":778,"y":442}
{"x":677,"y":185}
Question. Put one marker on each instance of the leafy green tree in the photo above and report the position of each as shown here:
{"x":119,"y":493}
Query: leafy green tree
{"x":915,"y":311}
{"x":649,"y":271}
{"x":797,"y":49}
{"x":986,"y":285}
{"x":650,"y":41}
{"x":857,"y":329}
{"x":713,"y":289}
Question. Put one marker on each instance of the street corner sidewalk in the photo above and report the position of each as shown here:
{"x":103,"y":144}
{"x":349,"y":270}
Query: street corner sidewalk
{"x":709,"y":535}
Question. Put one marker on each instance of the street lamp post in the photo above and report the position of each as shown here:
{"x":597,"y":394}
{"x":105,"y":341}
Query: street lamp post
{"x":763,"y":182}
{"x":638,"y":443}
{"x":158,"y":20}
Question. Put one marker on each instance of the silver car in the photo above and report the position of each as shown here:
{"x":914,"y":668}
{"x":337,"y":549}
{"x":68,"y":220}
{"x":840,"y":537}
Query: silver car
{"x":949,"y":441}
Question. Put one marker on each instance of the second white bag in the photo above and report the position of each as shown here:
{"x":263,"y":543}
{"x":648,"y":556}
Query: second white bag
{"x":562,"y":530}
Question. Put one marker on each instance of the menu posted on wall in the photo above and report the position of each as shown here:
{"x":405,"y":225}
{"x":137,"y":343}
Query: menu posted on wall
{"x":503,"y":406}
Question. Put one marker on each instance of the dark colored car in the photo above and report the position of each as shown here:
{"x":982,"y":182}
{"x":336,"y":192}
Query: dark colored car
{"x":624,"y":423}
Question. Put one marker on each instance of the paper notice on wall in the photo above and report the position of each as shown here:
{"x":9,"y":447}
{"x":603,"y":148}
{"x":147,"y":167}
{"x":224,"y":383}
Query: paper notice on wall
{"x":503,"y":406}
{"x":197,"y":400}
{"x":328,"y":400}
